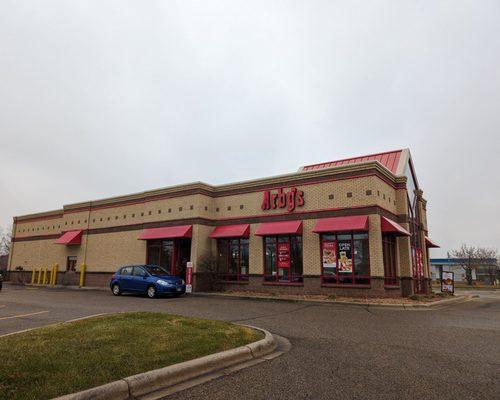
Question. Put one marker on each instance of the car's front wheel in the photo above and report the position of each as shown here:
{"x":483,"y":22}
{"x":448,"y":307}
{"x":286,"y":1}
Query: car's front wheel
{"x":151,"y":292}
{"x":116,"y":289}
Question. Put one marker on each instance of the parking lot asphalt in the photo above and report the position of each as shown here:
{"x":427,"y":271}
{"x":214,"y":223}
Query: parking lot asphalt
{"x":338,"y":351}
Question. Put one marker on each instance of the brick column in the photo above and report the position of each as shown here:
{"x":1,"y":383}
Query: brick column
{"x":311,"y":253}
{"x":405,"y":265}
{"x":256,"y":252}
{"x":376,"y":255}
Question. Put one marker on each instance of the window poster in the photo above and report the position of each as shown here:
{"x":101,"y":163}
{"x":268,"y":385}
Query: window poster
{"x":329,"y":255}
{"x":284,"y":255}
{"x":345,"y":257}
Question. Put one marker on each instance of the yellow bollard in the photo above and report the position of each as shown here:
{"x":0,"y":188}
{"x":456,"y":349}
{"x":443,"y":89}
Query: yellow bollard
{"x":33,"y":272}
{"x":39,"y":276}
{"x":82,"y":274}
{"x":54,"y":275}
{"x":44,"y":281}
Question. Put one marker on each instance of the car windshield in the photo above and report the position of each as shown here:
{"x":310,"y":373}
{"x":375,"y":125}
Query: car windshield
{"x":154,"y":270}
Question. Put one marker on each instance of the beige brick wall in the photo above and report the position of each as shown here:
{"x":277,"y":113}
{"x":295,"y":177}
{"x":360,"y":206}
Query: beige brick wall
{"x":311,"y":253}
{"x":106,"y":252}
{"x":316,"y":198}
{"x":256,"y":251}
{"x":404,"y":254}
{"x":201,"y":244}
{"x":45,"y":253}
{"x":375,"y":243}
{"x":401,"y":201}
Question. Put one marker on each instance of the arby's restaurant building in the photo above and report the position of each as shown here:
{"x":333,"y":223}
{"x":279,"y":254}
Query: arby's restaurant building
{"x":355,"y":227}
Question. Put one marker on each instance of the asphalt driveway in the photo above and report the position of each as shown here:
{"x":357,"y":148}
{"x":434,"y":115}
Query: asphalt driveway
{"x":339,"y":351}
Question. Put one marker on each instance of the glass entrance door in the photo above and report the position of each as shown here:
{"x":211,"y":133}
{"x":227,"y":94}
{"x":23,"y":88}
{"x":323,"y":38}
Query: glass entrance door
{"x":171,"y":255}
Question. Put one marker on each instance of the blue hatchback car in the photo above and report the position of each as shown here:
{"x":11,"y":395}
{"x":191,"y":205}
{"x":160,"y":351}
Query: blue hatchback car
{"x":149,"y":279}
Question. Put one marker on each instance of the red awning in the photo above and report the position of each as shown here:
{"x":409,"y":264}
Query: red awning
{"x":342,"y":224}
{"x":429,"y":243}
{"x":167,"y":232}
{"x":70,"y":238}
{"x":228,"y":231}
{"x":389,"y":226}
{"x":280,"y":228}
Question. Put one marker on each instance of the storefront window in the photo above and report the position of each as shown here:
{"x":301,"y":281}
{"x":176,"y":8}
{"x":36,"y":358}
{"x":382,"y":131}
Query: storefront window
{"x":160,"y":252}
{"x":233,"y":259}
{"x":345,"y":259}
{"x":283,"y":259}
{"x":390,"y":264}
{"x":171,"y":255}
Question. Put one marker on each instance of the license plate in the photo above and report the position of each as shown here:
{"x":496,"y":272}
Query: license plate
{"x":179,"y":289}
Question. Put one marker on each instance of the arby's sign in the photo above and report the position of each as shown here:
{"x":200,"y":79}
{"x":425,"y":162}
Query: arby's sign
{"x":290,"y":200}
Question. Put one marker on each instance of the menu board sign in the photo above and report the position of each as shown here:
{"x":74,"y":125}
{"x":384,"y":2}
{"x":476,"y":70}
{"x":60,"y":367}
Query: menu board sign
{"x":447,"y":282}
{"x":329,"y":255}
{"x":345,"y":257}
{"x":283,"y":255}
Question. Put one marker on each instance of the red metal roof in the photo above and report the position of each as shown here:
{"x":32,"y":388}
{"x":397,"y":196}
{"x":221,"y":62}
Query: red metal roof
{"x":389,"y":159}
{"x":280,"y":228}
{"x":389,"y":226}
{"x":429,"y":243}
{"x":339,"y":224}
{"x":228,"y":231}
{"x":70,"y":238}
{"x":167,"y":232}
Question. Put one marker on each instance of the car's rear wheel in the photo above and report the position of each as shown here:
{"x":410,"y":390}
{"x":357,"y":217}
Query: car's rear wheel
{"x":116,"y":289}
{"x":151,"y":292}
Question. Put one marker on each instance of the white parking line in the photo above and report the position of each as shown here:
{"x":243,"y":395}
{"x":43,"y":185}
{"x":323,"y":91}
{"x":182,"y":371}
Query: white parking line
{"x":23,"y":315}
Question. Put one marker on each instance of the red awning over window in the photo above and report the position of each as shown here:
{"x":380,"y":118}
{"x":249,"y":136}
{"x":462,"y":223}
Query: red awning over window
{"x":280,"y":228}
{"x":167,"y":232}
{"x":228,"y":231}
{"x":389,"y":226}
{"x":342,"y":224}
{"x":429,"y":243}
{"x":70,"y":238}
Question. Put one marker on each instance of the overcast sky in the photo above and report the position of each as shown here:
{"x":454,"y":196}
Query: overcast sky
{"x":102,"y":98}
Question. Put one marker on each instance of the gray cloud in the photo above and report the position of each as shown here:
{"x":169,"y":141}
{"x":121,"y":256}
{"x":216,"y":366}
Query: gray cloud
{"x":99,"y":98}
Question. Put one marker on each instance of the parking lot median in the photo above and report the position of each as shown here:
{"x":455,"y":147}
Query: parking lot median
{"x":76,"y":356}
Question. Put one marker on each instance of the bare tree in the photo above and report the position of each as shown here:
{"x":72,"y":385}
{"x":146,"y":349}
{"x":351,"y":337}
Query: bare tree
{"x":470,"y":257}
{"x":489,"y":258}
{"x":5,"y":241}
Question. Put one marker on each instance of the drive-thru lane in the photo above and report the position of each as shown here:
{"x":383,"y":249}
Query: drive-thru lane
{"x":338,"y":351}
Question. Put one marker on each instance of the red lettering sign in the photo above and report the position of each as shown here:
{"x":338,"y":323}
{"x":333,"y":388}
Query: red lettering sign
{"x":289,"y":200}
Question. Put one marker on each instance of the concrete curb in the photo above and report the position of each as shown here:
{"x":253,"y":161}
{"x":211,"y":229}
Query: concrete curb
{"x":402,"y":306}
{"x":149,"y":384}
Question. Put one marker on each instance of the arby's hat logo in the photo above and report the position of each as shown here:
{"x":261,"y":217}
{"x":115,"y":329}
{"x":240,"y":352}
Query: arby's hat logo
{"x":289,"y":200}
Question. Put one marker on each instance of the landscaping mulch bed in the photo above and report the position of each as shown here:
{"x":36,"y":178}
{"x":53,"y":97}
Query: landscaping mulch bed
{"x":415,"y":299}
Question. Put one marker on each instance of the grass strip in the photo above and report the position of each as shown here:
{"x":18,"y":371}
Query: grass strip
{"x":69,"y":357}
